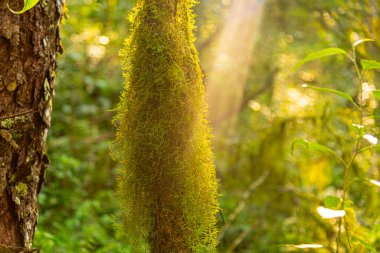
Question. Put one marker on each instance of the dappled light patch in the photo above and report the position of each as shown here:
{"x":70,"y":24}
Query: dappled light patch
{"x":104,"y":40}
{"x":375,"y":182}
{"x":371,"y":139}
{"x":307,"y":246}
{"x":327,"y":213}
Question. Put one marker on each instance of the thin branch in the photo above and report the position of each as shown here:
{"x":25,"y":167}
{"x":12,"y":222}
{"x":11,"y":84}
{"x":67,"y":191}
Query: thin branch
{"x":17,"y":114}
{"x":240,"y":207}
{"x":238,"y":240}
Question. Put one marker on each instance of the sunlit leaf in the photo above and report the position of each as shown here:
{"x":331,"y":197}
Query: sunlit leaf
{"x":370,"y":147}
{"x":305,"y":246}
{"x":359,"y":129}
{"x":376,"y":94}
{"x":28,"y":4}
{"x":371,"y":139}
{"x":348,"y":204}
{"x":363,"y":242}
{"x":332,"y":91}
{"x":332,"y":202}
{"x":320,"y":54}
{"x":312,"y":146}
{"x":375,"y":182}
{"x":300,"y":142}
{"x":370,"y":64}
{"x":327,"y":213}
{"x":358,"y":42}
{"x":308,"y":246}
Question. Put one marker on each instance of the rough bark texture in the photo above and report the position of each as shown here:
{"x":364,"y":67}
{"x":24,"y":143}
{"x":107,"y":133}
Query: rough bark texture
{"x":28,"y":46}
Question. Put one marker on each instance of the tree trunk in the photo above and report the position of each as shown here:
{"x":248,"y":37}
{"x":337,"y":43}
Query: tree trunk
{"x":28,"y":47}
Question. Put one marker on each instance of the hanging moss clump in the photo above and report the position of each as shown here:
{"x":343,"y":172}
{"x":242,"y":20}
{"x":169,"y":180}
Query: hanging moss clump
{"x":167,"y":183}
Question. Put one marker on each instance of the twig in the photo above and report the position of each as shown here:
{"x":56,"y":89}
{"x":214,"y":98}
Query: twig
{"x":240,"y":207}
{"x":355,"y":152}
{"x":238,"y":240}
{"x":16,"y":114}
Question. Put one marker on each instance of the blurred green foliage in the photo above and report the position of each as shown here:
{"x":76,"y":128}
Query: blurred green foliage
{"x":77,"y":203}
{"x":269,"y":198}
{"x":276,"y":111}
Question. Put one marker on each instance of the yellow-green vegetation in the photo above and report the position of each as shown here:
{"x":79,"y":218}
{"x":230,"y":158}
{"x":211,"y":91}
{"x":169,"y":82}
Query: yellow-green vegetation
{"x":21,"y":189}
{"x":10,"y":123}
{"x":167,"y":183}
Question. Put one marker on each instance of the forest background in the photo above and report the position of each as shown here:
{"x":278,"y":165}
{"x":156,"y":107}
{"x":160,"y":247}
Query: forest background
{"x":269,"y":197}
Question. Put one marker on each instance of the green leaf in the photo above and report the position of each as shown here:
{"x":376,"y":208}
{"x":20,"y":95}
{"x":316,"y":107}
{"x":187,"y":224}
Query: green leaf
{"x":348,"y":204}
{"x":363,"y":242}
{"x":300,"y":142}
{"x":320,"y":54}
{"x":28,"y":4}
{"x":370,"y":147}
{"x":332,"y":202}
{"x":312,"y":146}
{"x":332,"y":91}
{"x":358,"y":42}
{"x":370,"y":64}
{"x":359,"y":129}
{"x":376,"y":94}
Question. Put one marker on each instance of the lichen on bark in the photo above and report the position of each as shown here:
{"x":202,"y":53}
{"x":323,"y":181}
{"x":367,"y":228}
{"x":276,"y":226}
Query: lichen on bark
{"x":167,"y":183}
{"x":26,"y":62}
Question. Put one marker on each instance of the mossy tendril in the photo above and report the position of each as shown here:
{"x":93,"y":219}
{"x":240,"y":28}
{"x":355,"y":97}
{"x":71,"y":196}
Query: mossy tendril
{"x":167,"y":183}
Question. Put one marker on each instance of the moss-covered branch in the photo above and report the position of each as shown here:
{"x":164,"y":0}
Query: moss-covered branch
{"x":167,"y":184}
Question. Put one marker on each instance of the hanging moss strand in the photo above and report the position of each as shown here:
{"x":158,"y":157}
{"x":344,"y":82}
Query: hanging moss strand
{"x":167,"y":183}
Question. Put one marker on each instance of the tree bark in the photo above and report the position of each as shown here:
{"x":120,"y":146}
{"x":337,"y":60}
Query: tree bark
{"x":28,"y":47}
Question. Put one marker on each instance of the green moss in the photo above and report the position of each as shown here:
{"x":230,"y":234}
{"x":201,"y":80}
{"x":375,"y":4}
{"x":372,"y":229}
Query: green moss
{"x":21,"y":189}
{"x":167,"y":183}
{"x":7,"y":123}
{"x":13,"y":179}
{"x":16,"y":135}
{"x":11,"y":122}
